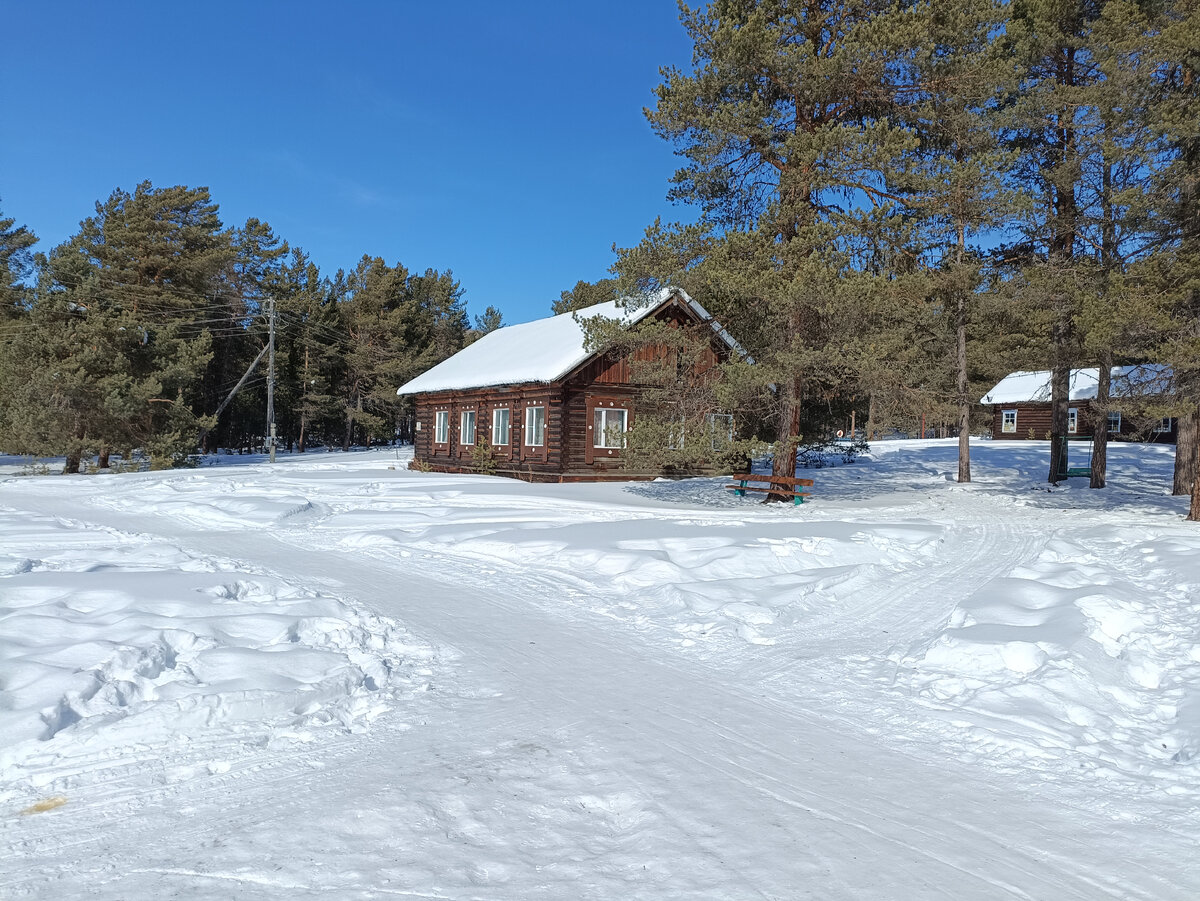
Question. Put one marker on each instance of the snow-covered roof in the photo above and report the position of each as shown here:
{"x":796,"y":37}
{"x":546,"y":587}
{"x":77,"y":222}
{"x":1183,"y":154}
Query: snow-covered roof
{"x":1127,"y":381}
{"x":540,"y":351}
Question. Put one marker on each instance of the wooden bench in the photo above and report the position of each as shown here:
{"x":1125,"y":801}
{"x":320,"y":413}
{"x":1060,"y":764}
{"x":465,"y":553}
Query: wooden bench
{"x":775,"y":485}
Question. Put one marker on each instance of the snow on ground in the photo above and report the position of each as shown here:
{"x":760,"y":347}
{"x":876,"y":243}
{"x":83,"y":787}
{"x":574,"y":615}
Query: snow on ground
{"x":338,"y":677}
{"x":113,"y":640}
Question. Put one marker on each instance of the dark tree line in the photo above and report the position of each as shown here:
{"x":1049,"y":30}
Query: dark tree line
{"x":133,"y":333}
{"x":901,"y":203}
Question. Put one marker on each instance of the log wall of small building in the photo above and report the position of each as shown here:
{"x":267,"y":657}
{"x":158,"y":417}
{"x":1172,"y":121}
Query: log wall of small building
{"x":513,"y":459}
{"x":423,"y":435}
{"x":575,"y":418}
{"x":1037,"y":416}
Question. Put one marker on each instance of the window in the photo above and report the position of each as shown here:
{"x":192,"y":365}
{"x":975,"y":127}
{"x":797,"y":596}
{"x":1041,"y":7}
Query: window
{"x":675,"y":432}
{"x":1008,"y":423}
{"x":608,"y":427}
{"x":720,"y":430}
{"x":441,"y":427}
{"x":1072,"y":421}
{"x":500,"y":427}
{"x":1114,"y":421}
{"x":535,"y":426}
{"x":1163,"y":425}
{"x":466,"y":427}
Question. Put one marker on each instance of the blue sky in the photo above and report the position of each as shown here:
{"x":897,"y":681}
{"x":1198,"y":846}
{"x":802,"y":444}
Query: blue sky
{"x":505,"y":141}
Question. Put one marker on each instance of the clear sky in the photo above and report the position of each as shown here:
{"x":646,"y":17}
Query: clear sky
{"x":503,"y":140}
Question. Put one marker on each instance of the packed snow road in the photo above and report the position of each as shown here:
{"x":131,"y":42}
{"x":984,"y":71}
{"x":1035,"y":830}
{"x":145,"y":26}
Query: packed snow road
{"x":342,"y":679}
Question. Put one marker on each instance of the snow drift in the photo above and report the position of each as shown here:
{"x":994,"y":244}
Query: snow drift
{"x":111,"y":638}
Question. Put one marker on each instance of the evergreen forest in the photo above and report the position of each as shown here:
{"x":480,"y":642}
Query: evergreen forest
{"x":901,"y":203}
{"x":133,"y":335}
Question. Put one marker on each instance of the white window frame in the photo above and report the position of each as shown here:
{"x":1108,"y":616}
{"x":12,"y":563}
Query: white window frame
{"x":1072,"y":421}
{"x":441,"y":427}
{"x":1164,"y":426}
{"x":1006,"y":427}
{"x":535,"y":431}
{"x":498,"y":414}
{"x":603,"y":430}
{"x":726,"y":430}
{"x":1114,"y":427}
{"x":463,"y":418}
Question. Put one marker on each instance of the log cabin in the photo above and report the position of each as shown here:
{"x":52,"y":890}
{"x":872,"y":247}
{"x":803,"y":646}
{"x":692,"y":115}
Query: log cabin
{"x":552,"y":409}
{"x":1021,"y":407}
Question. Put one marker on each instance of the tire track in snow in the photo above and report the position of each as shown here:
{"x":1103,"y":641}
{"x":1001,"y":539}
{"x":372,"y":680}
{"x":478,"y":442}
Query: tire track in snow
{"x":864,"y":640}
{"x":714,"y":759}
{"x":835,"y":808}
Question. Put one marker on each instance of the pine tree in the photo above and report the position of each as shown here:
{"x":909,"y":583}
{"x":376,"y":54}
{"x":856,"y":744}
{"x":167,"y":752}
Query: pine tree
{"x":120,"y":313}
{"x":238,"y":326}
{"x":16,"y":262}
{"x":953,"y":183}
{"x":585,"y":294}
{"x":1116,"y":317}
{"x":786,"y":127}
{"x":491,"y":320}
{"x":311,"y":344}
{"x":397,"y":325}
{"x":1049,"y":122}
{"x":1174,"y":271}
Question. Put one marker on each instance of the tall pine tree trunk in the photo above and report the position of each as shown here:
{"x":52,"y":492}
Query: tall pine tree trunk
{"x":784,"y":464}
{"x":1111,"y":263}
{"x":1194,"y":454}
{"x":1100,"y":424}
{"x":75,"y":452}
{"x":1187,"y":441}
{"x":1060,"y":387}
{"x":960,"y":361}
{"x":964,"y":409}
{"x":355,"y":404}
{"x":1064,"y":179}
{"x":1188,"y":429}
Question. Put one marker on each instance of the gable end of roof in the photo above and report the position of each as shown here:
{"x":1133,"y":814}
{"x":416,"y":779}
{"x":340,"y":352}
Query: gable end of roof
{"x":544,"y":350}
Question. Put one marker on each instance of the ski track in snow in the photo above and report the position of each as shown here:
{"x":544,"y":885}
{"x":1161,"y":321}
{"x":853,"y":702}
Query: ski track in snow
{"x":626,"y":698}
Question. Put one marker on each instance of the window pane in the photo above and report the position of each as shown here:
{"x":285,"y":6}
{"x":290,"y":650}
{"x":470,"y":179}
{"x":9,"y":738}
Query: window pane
{"x":535,"y":426}
{"x":608,"y":427}
{"x":617,"y":425}
{"x":1072,"y":421}
{"x":1009,"y":422}
{"x":500,"y":428}
{"x":720,"y":430}
{"x":1114,"y":421}
{"x":675,"y":436}
{"x":442,"y":431}
{"x":466,"y":431}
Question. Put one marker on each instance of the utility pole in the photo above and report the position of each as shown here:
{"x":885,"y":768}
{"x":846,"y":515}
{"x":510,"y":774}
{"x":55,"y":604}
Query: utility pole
{"x":271,"y":377}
